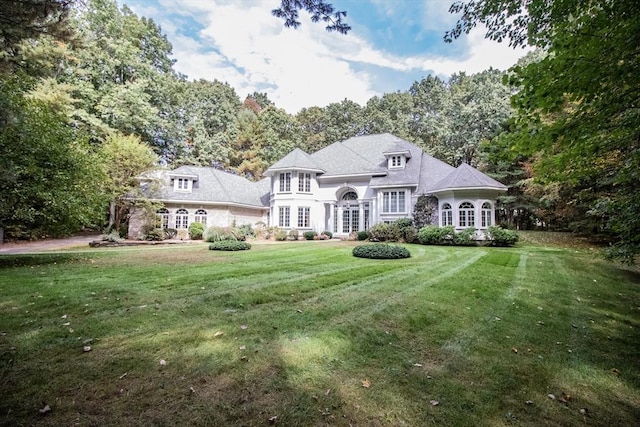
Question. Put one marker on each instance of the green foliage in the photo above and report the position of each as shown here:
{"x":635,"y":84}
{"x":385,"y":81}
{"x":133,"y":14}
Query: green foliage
{"x":49,"y":178}
{"x":196,"y":230}
{"x":217,"y":234}
{"x":466,"y":237}
{"x":405,"y":230}
{"x":362,"y":235}
{"x":383,"y":232}
{"x":498,"y":236}
{"x":328,"y":234}
{"x":246,"y":230}
{"x":434,"y":235}
{"x":381,"y":251}
{"x":113,"y":237}
{"x":423,"y":210}
{"x":280,"y":235}
{"x":155,"y":234}
{"x":309,"y":235}
{"x":229,"y":245}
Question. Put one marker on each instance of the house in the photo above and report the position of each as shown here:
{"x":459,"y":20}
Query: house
{"x":343,"y":188}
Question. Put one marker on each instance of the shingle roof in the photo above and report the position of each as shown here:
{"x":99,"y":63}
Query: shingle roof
{"x":464,"y":176}
{"x":296,"y":159}
{"x":215,"y":186}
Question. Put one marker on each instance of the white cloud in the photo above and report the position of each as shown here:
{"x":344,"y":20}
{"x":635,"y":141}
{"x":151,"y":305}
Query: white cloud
{"x":242,"y":44}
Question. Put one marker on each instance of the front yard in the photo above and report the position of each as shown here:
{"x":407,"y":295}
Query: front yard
{"x":303,"y":333}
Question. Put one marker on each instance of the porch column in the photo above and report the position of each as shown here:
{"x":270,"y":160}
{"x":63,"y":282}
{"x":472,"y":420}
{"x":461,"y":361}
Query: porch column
{"x":331,"y":214}
{"x":361,"y":216}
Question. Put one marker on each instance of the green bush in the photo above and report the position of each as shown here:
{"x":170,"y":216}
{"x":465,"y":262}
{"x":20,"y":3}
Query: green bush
{"x":466,"y":237}
{"x":497,"y":236}
{"x":309,"y":235}
{"x":113,"y":237}
{"x":404,"y":229}
{"x":294,"y":234}
{"x":218,"y":234}
{"x":156,"y":234}
{"x":383,"y":232}
{"x":196,"y":230}
{"x":229,"y":245}
{"x":362,"y":235}
{"x":170,"y":233}
{"x":280,"y":235}
{"x":434,"y":235}
{"x":328,"y":234}
{"x":380,"y":251}
{"x":246,"y":230}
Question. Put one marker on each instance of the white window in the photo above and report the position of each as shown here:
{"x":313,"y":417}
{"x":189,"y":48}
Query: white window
{"x":304,"y":182}
{"x":200,"y":216}
{"x":285,"y":181}
{"x":393,"y":202}
{"x":182,"y":218}
{"x":284,"y":216}
{"x":304,"y":217}
{"x":183,"y":184}
{"x":466,"y":215}
{"x":447,"y":215}
{"x":396,"y":162}
{"x":487,"y":217}
{"x":163,"y":218}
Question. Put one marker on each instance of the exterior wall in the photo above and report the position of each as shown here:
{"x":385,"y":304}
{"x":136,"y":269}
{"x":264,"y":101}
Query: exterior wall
{"x":477,"y":198}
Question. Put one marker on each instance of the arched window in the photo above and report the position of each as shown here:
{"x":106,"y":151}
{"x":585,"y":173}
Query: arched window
{"x":163,"y":218}
{"x":182,"y":218}
{"x":487,"y":215}
{"x":447,"y":215}
{"x":201,"y":217}
{"x":466,"y":215}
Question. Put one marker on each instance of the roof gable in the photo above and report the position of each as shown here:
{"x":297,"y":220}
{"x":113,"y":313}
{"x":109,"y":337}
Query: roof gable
{"x":295,"y":160}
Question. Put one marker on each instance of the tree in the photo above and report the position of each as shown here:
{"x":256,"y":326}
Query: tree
{"x":577,"y":107}
{"x":124,"y":158}
{"x":49,"y":180}
{"x":320,"y":10}
{"x":30,"y":19}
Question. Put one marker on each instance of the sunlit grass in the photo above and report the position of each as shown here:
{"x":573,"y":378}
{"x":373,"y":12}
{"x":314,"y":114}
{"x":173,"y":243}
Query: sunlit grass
{"x":313,"y":336}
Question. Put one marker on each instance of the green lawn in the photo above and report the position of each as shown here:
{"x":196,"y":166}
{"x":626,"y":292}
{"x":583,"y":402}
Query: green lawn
{"x":309,"y":334}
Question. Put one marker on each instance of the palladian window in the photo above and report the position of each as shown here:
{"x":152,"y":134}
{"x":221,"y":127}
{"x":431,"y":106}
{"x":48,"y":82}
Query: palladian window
{"x":200,"y":216}
{"x":182,"y":218}
{"x":466,"y":215}
{"x":163,"y":218}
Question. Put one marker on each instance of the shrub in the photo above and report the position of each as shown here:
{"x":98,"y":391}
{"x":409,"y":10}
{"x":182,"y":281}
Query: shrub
{"x":114,"y":237}
{"x":497,"y":236}
{"x":196,"y":230}
{"x":434,"y":235}
{"x":294,"y":234}
{"x":362,"y":235}
{"x":218,"y":234}
{"x":246,"y":230}
{"x":280,"y":235}
{"x":380,"y":251}
{"x":382,"y":232}
{"x":170,"y":233}
{"x":229,"y":245}
{"x":156,"y":234}
{"x":466,"y":237}
{"x":309,"y":235}
{"x":403,"y":228}
{"x":328,"y":234}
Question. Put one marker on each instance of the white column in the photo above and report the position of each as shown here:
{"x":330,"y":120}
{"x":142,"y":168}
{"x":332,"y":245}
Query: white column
{"x":361,"y":216}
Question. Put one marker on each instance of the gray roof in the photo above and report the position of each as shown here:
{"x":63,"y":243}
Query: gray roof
{"x":297,"y":159}
{"x":216,"y":186}
{"x":464,"y":176}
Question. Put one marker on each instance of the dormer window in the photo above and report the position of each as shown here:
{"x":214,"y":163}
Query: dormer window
{"x":182,"y":184}
{"x":397,"y":161}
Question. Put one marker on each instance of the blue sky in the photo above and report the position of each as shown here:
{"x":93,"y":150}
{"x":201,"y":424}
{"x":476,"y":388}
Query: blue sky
{"x":392,"y":44}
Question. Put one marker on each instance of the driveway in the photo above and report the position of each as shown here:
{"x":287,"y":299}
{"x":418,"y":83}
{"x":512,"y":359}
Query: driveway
{"x":48,"y":245}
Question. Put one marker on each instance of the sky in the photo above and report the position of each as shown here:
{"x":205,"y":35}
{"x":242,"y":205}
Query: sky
{"x":392,"y":44}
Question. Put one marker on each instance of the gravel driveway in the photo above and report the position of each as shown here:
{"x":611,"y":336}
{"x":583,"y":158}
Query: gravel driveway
{"x":48,"y":245}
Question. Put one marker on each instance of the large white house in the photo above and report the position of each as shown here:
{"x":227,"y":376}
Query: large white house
{"x":346,"y":187}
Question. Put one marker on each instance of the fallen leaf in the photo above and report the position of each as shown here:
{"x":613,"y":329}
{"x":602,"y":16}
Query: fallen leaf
{"x":64,"y":316}
{"x":584,"y":411}
{"x":243,"y":326}
{"x":218,"y":334}
{"x":192,"y":390}
{"x":366,"y":383}
{"x":163,"y":362}
{"x":273,"y":419}
{"x":66,"y":324}
{"x":45,"y":409}
{"x":326,"y":393}
{"x":243,"y":347}
{"x":418,"y":365}
{"x":529,"y":402}
{"x":434,"y":402}
{"x":615,"y":371}
{"x":124,"y":375}
{"x":515,"y":350}
{"x":551,"y":396}
{"x":86,"y":348}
